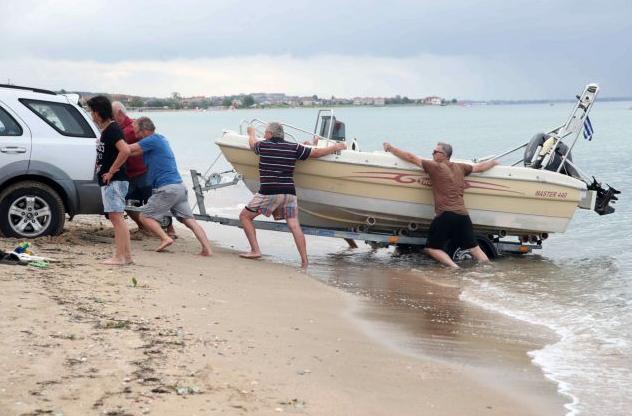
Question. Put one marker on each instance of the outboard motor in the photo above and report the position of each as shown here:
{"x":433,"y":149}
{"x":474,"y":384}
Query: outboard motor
{"x":604,"y":197}
{"x":539,"y":147}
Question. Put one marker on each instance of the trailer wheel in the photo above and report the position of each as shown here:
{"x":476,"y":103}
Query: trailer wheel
{"x":487,"y":246}
{"x":166,"y":222}
{"x":458,"y":254}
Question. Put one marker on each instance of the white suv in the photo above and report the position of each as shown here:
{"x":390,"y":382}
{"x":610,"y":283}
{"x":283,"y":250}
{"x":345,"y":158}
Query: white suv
{"x":47,"y":158}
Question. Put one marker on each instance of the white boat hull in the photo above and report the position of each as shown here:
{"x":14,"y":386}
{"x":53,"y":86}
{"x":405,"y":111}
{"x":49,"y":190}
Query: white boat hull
{"x":378,"y":190}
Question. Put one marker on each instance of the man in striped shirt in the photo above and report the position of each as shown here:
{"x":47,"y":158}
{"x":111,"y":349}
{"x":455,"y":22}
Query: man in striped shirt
{"x":277,"y":195}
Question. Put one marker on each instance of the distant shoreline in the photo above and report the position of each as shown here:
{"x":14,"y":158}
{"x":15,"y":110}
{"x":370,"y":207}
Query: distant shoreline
{"x":276,"y":107}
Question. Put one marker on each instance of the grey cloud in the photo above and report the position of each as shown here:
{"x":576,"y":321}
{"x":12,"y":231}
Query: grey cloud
{"x":548,"y":42}
{"x":194,"y":29}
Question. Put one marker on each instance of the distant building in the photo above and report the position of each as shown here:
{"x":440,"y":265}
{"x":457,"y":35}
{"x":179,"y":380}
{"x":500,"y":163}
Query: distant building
{"x":367,"y":101}
{"x":195,"y":102}
{"x":265,"y":98}
{"x":434,"y":100}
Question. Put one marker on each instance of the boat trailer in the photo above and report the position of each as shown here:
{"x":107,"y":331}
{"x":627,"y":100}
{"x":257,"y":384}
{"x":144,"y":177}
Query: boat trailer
{"x":214,"y":181}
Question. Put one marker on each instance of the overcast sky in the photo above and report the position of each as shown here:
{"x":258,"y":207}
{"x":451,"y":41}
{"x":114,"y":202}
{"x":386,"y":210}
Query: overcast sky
{"x":468,"y":49}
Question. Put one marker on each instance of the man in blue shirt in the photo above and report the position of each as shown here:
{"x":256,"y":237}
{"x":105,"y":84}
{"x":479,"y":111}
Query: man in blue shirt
{"x":169,"y":196}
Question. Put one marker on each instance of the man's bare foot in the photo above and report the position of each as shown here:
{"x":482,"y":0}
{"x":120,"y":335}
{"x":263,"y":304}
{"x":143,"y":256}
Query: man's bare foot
{"x":206,"y":253}
{"x":164,"y":244}
{"x":129,"y":260}
{"x":250,"y":255}
{"x":304,"y":266}
{"x":113,"y":261}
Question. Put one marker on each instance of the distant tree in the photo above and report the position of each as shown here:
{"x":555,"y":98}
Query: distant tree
{"x":157,"y":102}
{"x":173,"y":103}
{"x":227,"y":102}
{"x":248,"y":101}
{"x":314,"y":97}
{"x":136,"y":102}
{"x":454,"y":101}
{"x":405,"y":100}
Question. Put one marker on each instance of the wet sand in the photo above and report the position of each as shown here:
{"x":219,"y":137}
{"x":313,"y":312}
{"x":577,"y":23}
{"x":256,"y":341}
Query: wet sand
{"x":177,"y":334}
{"x":419,"y":313}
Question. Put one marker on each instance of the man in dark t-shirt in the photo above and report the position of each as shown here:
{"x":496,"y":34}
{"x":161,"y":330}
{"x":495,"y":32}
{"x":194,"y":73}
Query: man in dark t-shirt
{"x":112,"y":152}
{"x":277,"y":195}
{"x":139,"y":188}
{"x":452,"y":221}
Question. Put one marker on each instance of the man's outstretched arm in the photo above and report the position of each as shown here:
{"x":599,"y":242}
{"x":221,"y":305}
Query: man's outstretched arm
{"x":324,"y":151}
{"x":402,"y":154}
{"x":483,"y":166}
{"x":252,"y":139}
{"x":135,"y":149}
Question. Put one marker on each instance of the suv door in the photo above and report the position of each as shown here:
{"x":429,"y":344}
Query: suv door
{"x":15,"y":144}
{"x":66,"y":139}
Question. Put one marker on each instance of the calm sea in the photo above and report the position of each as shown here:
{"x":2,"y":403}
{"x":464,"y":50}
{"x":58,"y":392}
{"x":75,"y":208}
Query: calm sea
{"x":576,"y":292}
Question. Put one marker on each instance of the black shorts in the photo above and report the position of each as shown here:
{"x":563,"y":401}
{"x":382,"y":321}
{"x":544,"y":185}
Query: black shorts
{"x":139,"y":189}
{"x":451,"y":227}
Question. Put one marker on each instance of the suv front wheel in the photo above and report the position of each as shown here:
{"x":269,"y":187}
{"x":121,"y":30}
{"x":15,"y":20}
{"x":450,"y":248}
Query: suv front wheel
{"x":31,"y":209}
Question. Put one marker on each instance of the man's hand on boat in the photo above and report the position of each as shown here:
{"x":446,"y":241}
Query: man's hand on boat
{"x":402,"y":154}
{"x":324,"y":151}
{"x":483,"y":166}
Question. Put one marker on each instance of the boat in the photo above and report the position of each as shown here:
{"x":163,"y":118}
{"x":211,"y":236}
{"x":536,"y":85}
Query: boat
{"x":375,"y":191}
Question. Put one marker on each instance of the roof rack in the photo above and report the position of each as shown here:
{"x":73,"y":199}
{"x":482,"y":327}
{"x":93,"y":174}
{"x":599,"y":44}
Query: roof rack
{"x":17,"y":87}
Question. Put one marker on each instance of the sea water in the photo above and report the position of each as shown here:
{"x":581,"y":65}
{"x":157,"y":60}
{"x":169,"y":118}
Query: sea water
{"x":579,"y":287}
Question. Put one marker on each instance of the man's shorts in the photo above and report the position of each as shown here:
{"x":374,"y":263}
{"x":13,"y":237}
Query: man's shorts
{"x":449,"y":226}
{"x":139,"y":189}
{"x":113,"y":196}
{"x":281,"y":206}
{"x":168,"y":200}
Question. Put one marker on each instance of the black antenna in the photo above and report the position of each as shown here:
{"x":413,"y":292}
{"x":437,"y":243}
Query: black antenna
{"x":17,"y":87}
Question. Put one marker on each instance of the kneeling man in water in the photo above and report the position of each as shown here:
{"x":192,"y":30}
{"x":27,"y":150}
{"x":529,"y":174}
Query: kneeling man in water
{"x":452,"y":221}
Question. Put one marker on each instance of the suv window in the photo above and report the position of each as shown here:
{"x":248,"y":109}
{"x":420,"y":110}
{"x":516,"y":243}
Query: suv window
{"x":64,"y":118}
{"x":8,"y":125}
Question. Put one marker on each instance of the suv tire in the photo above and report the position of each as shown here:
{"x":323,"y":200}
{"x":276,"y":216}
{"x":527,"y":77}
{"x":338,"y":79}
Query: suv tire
{"x":31,"y":209}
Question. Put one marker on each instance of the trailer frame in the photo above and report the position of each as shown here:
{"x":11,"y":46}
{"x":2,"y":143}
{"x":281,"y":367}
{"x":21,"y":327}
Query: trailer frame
{"x":215,"y":181}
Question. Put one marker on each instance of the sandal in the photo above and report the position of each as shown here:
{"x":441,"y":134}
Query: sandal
{"x":11,"y":258}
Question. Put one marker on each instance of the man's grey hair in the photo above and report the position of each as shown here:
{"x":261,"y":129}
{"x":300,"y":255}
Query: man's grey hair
{"x":117,"y":105}
{"x":145,"y":123}
{"x":446,"y":148}
{"x":276,"y":129}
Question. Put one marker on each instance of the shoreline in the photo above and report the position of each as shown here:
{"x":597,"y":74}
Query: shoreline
{"x":206,"y":336}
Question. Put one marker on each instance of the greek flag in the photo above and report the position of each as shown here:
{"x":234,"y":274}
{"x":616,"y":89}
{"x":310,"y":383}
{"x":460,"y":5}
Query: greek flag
{"x":588,"y":129}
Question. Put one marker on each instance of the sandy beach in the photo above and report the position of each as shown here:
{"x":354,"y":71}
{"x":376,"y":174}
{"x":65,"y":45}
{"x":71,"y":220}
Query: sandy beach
{"x":178,"y":334}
